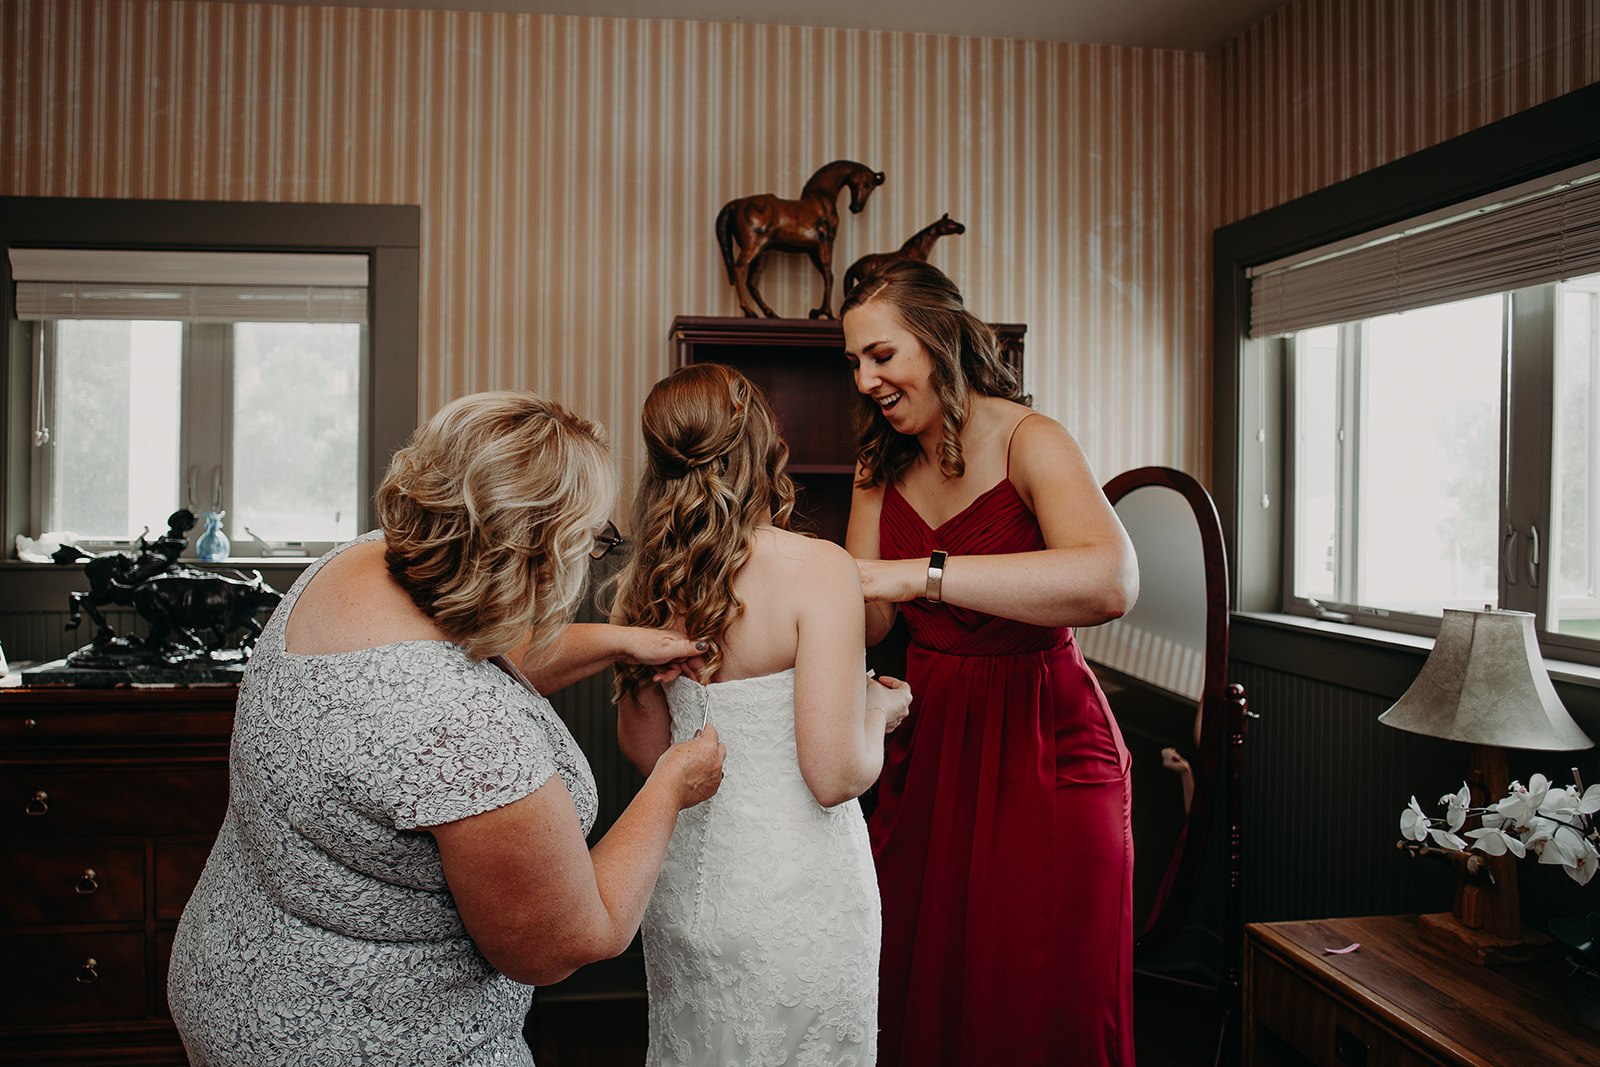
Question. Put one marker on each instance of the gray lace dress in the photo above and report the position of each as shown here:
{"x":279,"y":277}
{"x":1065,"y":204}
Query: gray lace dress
{"x":322,"y":930}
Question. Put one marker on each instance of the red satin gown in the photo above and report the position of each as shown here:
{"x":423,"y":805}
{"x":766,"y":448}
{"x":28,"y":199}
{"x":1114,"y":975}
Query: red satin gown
{"x":1003,"y":834}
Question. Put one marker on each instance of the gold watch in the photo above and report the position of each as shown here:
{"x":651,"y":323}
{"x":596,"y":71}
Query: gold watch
{"x":935,"y":577}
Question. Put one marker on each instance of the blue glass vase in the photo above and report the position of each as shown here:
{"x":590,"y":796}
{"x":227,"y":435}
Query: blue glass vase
{"x":213,"y":543}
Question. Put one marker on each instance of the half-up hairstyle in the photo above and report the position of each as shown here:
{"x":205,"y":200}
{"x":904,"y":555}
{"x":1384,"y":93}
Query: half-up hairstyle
{"x":489,"y":513}
{"x":714,"y":469}
{"x":966,"y":359}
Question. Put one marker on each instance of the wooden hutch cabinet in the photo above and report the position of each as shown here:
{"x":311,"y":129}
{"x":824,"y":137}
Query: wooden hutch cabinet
{"x":800,"y":365}
{"x":109,"y":802}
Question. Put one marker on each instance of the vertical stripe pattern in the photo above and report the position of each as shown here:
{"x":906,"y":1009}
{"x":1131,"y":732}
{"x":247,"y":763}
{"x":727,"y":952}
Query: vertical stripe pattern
{"x":1322,"y":90}
{"x":569,"y":171}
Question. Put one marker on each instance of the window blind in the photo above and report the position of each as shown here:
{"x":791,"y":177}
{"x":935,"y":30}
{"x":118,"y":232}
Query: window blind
{"x":189,"y":286}
{"x":1517,"y":238}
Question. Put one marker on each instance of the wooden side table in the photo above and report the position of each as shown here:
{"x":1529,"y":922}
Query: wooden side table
{"x":1398,"y":1001}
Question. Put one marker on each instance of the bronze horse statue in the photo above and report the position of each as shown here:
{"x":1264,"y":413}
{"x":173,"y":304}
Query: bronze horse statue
{"x":751,"y":226}
{"x":917,"y":247}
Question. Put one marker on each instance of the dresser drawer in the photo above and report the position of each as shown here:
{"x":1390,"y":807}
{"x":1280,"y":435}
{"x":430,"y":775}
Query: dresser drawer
{"x":71,"y":978}
{"x":177,"y":800}
{"x":1320,"y":1027}
{"x":178,"y":868}
{"x":81,"y":883}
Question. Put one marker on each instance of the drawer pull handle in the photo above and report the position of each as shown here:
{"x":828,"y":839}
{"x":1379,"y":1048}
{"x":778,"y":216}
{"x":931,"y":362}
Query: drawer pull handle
{"x":39,"y":803}
{"x":1347,"y":1048}
{"x":87,"y":884}
{"x":87,"y":973}
{"x":30,"y":724}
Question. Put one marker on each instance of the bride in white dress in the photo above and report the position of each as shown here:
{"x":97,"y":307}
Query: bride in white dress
{"x":761,"y":939}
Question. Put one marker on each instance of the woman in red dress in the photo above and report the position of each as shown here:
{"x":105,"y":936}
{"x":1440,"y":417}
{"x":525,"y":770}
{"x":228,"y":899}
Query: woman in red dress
{"x":1001,"y":835}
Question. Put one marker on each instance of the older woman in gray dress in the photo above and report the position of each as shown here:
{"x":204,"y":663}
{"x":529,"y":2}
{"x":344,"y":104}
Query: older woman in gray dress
{"x":404,"y":850}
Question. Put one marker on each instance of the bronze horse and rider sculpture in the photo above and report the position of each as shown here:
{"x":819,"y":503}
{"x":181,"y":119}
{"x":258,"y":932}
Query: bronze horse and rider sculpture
{"x":752,"y":226}
{"x":191,"y":613}
{"x":916,"y":247}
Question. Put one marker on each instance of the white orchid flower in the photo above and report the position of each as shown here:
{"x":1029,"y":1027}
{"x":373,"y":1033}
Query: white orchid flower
{"x":1414,"y":822}
{"x":1556,"y":823}
{"x":1550,"y":844}
{"x":1591,"y":801}
{"x":1456,"y":805}
{"x":1584,"y":861}
{"x":1517,"y":807}
{"x":1495,"y":842}
{"x":1538,"y":786}
{"x":1560,"y":803}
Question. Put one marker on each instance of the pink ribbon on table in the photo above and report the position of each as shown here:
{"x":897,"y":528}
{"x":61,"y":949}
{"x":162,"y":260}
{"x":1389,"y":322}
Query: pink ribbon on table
{"x":1341,"y":951}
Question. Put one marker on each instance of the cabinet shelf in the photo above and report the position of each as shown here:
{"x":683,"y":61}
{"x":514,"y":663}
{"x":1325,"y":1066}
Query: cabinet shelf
{"x":800,"y":365}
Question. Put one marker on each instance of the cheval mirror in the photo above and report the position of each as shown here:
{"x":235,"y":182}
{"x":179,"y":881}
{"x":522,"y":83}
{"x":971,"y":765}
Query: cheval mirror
{"x":1163,"y":667}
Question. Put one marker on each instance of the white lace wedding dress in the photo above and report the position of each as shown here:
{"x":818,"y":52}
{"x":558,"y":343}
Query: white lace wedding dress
{"x":762,"y":936}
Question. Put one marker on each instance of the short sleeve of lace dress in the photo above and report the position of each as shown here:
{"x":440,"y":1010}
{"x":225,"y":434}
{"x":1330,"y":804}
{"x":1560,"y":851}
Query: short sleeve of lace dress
{"x":464,"y":741}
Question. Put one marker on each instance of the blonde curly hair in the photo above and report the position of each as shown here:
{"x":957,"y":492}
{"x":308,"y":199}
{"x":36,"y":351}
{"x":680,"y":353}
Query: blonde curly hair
{"x":489,"y":514}
{"x":715,"y":468}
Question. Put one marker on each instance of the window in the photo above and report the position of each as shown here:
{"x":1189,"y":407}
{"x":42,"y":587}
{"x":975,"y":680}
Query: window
{"x":239,"y":423}
{"x":1399,"y":452}
{"x":1406,"y":391}
{"x":195,"y":380}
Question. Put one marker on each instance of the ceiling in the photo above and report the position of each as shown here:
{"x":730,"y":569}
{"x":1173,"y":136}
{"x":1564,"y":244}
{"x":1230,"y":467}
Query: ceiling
{"x":1187,"y":25}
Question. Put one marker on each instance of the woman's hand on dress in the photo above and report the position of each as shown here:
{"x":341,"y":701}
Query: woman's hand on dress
{"x":674,"y":653}
{"x":893,"y":581}
{"x":893,"y":697}
{"x":694,"y":767}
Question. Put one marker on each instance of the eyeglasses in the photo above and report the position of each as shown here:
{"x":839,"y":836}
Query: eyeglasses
{"x":605,"y":541}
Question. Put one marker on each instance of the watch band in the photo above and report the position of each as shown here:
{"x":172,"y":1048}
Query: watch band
{"x":936,"y":577}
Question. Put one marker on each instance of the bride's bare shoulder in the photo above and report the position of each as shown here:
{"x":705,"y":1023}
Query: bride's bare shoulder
{"x":800,"y":550}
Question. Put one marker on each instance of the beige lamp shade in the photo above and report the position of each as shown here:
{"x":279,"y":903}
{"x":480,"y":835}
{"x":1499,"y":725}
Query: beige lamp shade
{"x":1485,"y":683}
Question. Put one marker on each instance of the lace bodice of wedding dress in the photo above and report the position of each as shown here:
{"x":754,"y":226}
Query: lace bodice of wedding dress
{"x":762,"y":936}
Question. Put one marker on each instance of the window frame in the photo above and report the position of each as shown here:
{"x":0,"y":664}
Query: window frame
{"x":388,"y":235}
{"x":1250,"y":392}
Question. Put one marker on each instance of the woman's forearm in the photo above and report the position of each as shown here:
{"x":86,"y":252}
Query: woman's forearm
{"x":628,"y":858}
{"x":1050,"y":587}
{"x":584,"y":648}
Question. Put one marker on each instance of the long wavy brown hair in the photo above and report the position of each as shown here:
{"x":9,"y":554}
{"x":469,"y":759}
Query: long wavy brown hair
{"x":966,"y":357}
{"x":714,"y":469}
{"x":489,"y":514}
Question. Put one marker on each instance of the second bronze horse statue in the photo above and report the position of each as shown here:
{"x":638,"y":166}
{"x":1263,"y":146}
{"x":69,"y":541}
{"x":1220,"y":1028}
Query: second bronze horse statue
{"x":917,"y":246}
{"x":751,"y":226}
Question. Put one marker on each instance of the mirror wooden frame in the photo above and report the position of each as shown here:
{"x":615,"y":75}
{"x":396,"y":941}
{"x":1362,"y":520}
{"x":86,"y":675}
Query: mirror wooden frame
{"x":1223,"y":715}
{"x":1184,"y":866}
{"x":1220,"y":757}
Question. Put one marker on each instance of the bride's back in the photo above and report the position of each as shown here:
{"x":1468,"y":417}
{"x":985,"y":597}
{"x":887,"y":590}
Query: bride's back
{"x":765,"y":636}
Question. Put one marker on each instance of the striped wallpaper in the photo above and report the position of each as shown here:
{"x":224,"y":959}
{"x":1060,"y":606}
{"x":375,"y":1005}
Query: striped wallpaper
{"x":1322,"y":90}
{"x":569,"y":171}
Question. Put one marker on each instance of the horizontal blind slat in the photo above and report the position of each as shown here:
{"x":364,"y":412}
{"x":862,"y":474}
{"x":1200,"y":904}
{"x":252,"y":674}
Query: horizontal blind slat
{"x":1546,"y":237}
{"x":37,"y":301}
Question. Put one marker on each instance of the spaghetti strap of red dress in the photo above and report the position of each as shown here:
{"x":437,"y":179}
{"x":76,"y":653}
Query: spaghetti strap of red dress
{"x":1002,"y":834}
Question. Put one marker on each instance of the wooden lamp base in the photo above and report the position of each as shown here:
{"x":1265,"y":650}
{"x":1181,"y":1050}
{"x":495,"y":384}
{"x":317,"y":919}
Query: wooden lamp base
{"x":1486,"y":925}
{"x":1482,"y":947}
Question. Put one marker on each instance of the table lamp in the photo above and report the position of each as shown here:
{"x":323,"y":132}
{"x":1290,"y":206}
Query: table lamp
{"x":1485,"y":683}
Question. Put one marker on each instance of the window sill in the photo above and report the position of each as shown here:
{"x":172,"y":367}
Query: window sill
{"x":1383,"y":662}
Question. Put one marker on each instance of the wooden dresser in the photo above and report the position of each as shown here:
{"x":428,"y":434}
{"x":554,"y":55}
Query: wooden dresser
{"x":109,"y":802}
{"x":1398,"y":1001}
